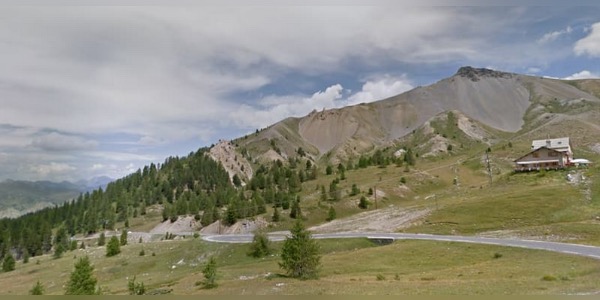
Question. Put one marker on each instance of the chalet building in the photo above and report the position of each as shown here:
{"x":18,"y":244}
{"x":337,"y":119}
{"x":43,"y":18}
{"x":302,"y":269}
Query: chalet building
{"x":546,"y":154}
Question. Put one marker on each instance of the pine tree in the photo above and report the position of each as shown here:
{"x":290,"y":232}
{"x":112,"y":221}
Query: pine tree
{"x":300,"y":253}
{"x":8,"y":264}
{"x":363,"y":203}
{"x":123,"y":237}
{"x":37,"y":289}
{"x":275,"y":217}
{"x":210,"y":274}
{"x":331,"y":215}
{"x":295,"y":212}
{"x":58,"y":251}
{"x":102,"y":239}
{"x":82,"y":280}
{"x":113,"y":247}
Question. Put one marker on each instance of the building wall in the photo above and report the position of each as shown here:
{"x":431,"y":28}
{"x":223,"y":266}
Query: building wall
{"x":542,"y":154}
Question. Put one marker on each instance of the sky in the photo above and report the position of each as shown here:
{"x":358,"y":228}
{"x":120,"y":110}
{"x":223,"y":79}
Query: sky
{"x":102,"y":91}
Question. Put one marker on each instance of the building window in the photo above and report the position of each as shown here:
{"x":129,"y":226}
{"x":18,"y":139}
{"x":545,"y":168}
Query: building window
{"x":536,"y":154}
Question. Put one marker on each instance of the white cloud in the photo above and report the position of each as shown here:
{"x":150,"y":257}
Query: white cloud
{"x":380,"y":89}
{"x":554,"y":35}
{"x":585,"y":74}
{"x":533,"y":70}
{"x":98,"y":167}
{"x":590,"y":44}
{"x":275,"y":108}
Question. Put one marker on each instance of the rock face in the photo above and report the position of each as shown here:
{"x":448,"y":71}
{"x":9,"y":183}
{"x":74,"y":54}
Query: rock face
{"x":234,"y":163}
{"x":475,"y":73}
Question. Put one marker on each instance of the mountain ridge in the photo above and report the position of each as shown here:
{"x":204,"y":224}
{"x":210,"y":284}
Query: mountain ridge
{"x":505,"y":102}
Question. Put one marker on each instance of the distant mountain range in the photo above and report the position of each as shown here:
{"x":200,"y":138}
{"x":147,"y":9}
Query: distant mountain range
{"x":18,"y":197}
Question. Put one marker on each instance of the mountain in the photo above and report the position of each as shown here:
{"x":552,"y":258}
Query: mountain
{"x":18,"y":197}
{"x":487,"y":104}
{"x":93,"y":183}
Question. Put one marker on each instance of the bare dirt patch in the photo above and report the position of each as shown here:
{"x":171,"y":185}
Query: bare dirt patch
{"x":240,"y":227}
{"x":233,"y":162}
{"x":387,"y":219}
{"x":183,"y":224}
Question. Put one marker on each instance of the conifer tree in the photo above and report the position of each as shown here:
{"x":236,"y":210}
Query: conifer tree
{"x":82,"y":280}
{"x":331,"y":215}
{"x":275,"y":217}
{"x":113,"y":247}
{"x":102,"y":239}
{"x":8,"y":264}
{"x":37,"y":289}
{"x":300,"y":256}
{"x":295,"y":212}
{"x":210,"y":274}
{"x":123,"y":237}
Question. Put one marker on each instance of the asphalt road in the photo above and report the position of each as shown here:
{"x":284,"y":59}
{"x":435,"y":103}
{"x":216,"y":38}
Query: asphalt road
{"x":581,"y":250}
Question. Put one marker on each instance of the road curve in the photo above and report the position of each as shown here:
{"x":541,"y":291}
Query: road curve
{"x":575,"y":249}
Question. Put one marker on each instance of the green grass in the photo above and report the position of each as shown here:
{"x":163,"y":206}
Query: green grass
{"x":349,"y":266}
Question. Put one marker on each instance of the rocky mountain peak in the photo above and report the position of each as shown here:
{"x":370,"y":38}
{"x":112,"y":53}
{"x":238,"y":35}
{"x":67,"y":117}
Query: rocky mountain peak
{"x":476,"y":73}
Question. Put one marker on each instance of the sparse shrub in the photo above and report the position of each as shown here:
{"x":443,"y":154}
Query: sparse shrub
{"x":196,"y":235}
{"x":136,"y":288}
{"x":37,"y":289}
{"x":58,"y":251}
{"x":260,"y":245}
{"x":548,"y":278}
{"x":397,"y":277}
{"x":403,"y":180}
{"x":142,"y":252}
{"x":329,"y":170}
{"x":380,"y":277}
{"x":153,"y":254}
{"x":73,"y":245}
{"x":363,"y":203}
{"x":355,"y":190}
{"x":210,"y":274}
{"x":370,"y":192}
{"x":26,"y":257}
{"x":497,"y":255}
{"x":428,"y":278}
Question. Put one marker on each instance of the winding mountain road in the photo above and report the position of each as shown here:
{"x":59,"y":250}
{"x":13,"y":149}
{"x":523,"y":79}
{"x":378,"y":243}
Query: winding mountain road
{"x":575,"y":249}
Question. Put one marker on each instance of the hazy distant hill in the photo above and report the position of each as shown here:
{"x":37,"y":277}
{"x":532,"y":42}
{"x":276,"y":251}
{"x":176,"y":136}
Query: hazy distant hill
{"x":18,"y":197}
